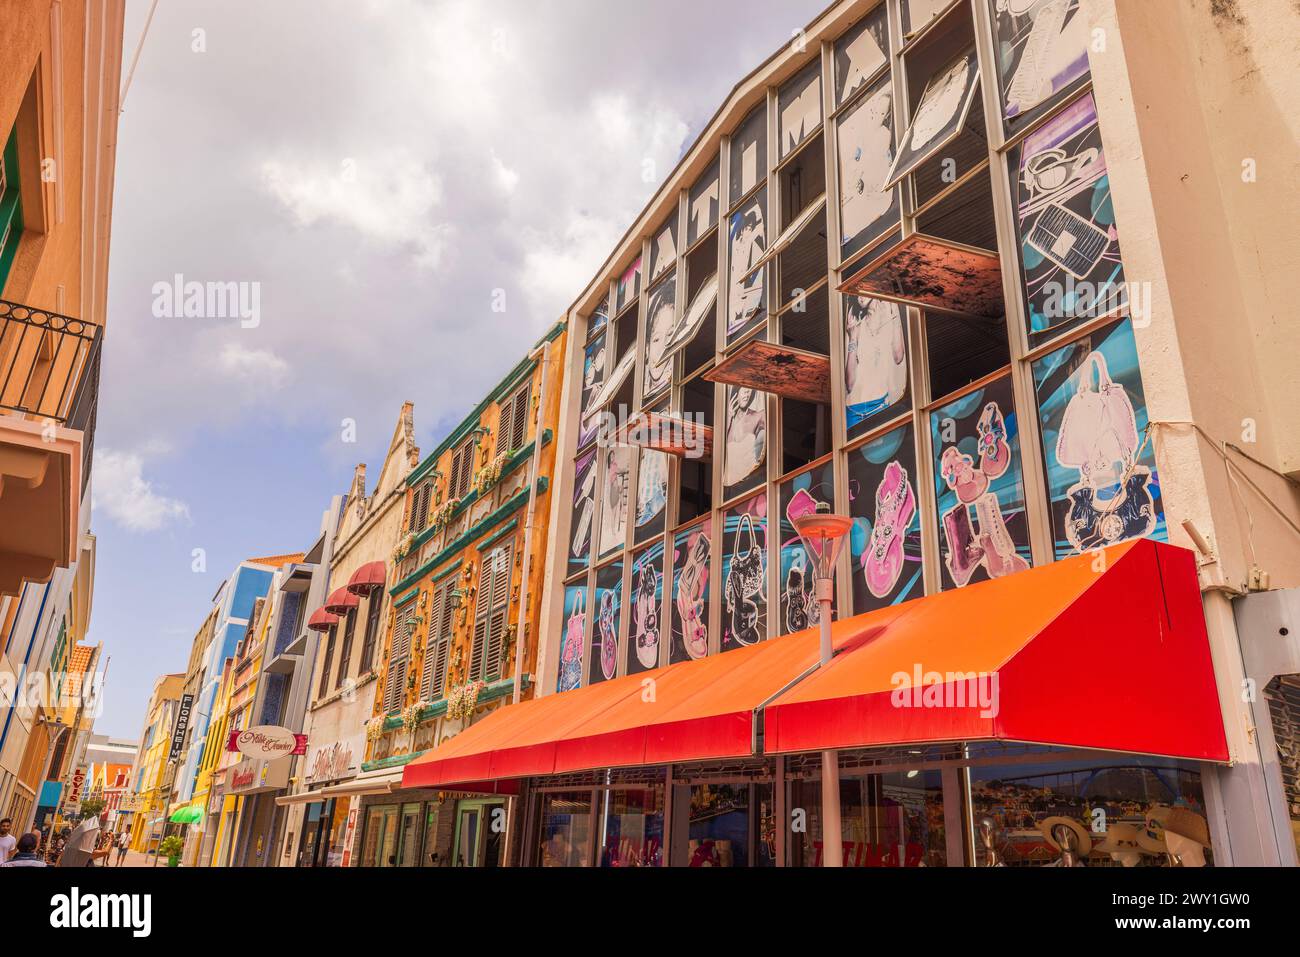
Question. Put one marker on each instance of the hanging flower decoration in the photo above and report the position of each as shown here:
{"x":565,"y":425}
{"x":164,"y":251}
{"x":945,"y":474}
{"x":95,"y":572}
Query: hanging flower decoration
{"x":490,"y":474}
{"x":403,"y":548}
{"x":375,"y":728}
{"x":411,"y":714}
{"x":462,"y":701}
{"x":442,"y":514}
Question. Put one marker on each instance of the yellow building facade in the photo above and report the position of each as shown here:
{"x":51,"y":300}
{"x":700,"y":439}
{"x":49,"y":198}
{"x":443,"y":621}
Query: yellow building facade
{"x":151,"y":781}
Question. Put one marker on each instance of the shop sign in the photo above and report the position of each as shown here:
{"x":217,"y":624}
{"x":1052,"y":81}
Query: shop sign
{"x":255,"y":775}
{"x":331,"y":762}
{"x":182,"y":725}
{"x":350,"y":831}
{"x":73,"y":799}
{"x":265,"y":742}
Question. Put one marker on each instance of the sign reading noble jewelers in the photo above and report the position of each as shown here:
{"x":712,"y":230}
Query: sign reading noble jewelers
{"x":266,"y":742}
{"x":332,"y":762}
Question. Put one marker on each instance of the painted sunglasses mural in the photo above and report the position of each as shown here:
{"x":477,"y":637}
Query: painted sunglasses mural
{"x":690,"y":606}
{"x":744,"y":573}
{"x":800,"y":496}
{"x":607,"y":605}
{"x":980,"y":487}
{"x":885,"y":540}
{"x":1100,"y":462}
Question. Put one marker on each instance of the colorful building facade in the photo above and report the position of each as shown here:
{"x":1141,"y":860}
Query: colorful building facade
{"x":151,"y":785}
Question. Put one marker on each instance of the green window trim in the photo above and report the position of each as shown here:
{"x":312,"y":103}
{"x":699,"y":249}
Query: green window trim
{"x":11,"y":209}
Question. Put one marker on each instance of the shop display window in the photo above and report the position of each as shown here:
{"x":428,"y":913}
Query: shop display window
{"x":575,"y":636}
{"x":885,"y":541}
{"x":607,"y":611}
{"x":1100,"y":461}
{"x":801,"y":495}
{"x":632,"y":828}
{"x":731,"y":825}
{"x":702,"y":205}
{"x":1130,"y":812}
{"x":865,"y":155}
{"x":566,"y":837}
{"x":691,"y":562}
{"x":646,"y":604}
{"x":744,"y":573}
{"x":748,"y":155}
{"x":1042,"y":55}
{"x":861,"y":53}
{"x":979,"y":486}
{"x":1069,"y":247}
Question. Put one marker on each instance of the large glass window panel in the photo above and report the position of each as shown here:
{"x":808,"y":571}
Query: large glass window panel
{"x":409,"y":852}
{"x":917,"y":14}
{"x":801,"y":495}
{"x":598,"y":318}
{"x":799,"y":109}
{"x":866,"y":152}
{"x":744,"y":452}
{"x":747,"y":300}
{"x":660,"y":322}
{"x":565,"y":839}
{"x":632,"y":825}
{"x":616,"y":468}
{"x":887,"y":820}
{"x":748,"y":155}
{"x":963,"y":349}
{"x":860,"y":53}
{"x":593,"y":376}
{"x":940,"y":114}
{"x":702,"y":208}
{"x":1042,"y":50}
{"x":651,"y":494}
{"x":646,"y":603}
{"x":629,"y":285}
{"x":583,"y":519}
{"x":885,"y":542}
{"x":1114,"y":811}
{"x":1069,"y":247}
{"x":575,"y":636}
{"x":692,"y":554}
{"x":663,"y":248}
{"x":875,"y":361}
{"x":744,"y":573}
{"x":979,"y":485}
{"x":720,"y":828}
{"x":1101,"y":468}
{"x":608,"y":609}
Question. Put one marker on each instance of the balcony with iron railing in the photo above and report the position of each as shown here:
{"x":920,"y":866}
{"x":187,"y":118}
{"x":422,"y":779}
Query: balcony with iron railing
{"x":49,"y":393}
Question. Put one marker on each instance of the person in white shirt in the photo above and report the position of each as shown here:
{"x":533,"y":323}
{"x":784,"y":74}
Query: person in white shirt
{"x":7,"y":841}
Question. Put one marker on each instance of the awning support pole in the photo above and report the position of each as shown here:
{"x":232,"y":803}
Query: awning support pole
{"x":832,"y":840}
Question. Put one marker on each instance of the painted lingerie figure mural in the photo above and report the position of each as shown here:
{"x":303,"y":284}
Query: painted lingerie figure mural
{"x":746,"y":439}
{"x":875,"y":357}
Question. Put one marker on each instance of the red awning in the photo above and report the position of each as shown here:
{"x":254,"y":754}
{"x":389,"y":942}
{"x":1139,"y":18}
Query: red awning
{"x":321,"y":620}
{"x":1105,"y":651}
{"x":341,"y":601}
{"x":367,"y":578}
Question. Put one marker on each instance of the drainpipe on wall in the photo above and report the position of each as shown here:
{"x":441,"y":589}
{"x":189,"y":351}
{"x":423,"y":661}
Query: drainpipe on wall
{"x":541,"y":351}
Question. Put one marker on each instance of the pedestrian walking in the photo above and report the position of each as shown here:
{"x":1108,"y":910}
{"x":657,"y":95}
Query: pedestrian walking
{"x":7,"y":841}
{"x":123,"y":845}
{"x":25,"y":855}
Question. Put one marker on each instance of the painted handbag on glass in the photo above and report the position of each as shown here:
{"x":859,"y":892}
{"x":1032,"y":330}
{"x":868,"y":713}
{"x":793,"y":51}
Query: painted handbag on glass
{"x":882,"y":562}
{"x":646,"y":617}
{"x":608,"y":636}
{"x":690,"y":598}
{"x":571,"y":655}
{"x":744,"y":584}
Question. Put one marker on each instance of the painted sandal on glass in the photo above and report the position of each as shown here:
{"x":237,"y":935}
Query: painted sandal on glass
{"x":882,"y":562}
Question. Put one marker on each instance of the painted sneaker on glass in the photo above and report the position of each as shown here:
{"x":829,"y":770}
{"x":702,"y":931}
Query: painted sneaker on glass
{"x":882,"y":562}
{"x":608,"y":636}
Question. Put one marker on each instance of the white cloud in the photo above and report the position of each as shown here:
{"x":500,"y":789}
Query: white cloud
{"x":388,"y":197}
{"x":123,"y":493}
{"x":255,"y":366}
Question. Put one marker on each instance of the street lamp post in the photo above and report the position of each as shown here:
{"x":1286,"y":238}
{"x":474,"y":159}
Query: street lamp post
{"x":823,"y":535}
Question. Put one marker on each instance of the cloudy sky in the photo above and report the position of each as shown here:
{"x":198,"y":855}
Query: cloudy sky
{"x":378,"y":170}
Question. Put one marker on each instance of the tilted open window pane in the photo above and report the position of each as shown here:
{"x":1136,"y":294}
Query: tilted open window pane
{"x":1042,"y":50}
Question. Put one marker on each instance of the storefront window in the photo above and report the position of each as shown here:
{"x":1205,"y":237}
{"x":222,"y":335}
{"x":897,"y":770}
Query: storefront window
{"x":690,"y":609}
{"x":885,"y":542}
{"x":723,"y":832}
{"x":800,"y":496}
{"x":565,"y":839}
{"x":744,"y":573}
{"x":632,"y":828}
{"x":1134,"y":812}
{"x":979,"y":486}
{"x":1099,"y":457}
{"x":409,"y":848}
{"x":888,"y":820}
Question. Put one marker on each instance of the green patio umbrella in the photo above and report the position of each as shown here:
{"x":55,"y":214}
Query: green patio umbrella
{"x":189,"y":814}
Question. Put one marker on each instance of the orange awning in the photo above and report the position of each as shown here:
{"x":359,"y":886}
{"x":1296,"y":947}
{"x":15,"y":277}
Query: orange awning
{"x":1106,"y":651}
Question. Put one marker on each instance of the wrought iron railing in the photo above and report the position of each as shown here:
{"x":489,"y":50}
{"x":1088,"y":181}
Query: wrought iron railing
{"x":49,"y":369}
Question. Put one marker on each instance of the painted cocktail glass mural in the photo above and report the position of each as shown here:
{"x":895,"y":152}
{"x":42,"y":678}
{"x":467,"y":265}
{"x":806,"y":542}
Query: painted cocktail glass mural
{"x":692,"y":551}
{"x":800,"y":496}
{"x":979,"y":486}
{"x":885,"y":542}
{"x":744,"y":573}
{"x":1099,"y":457}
